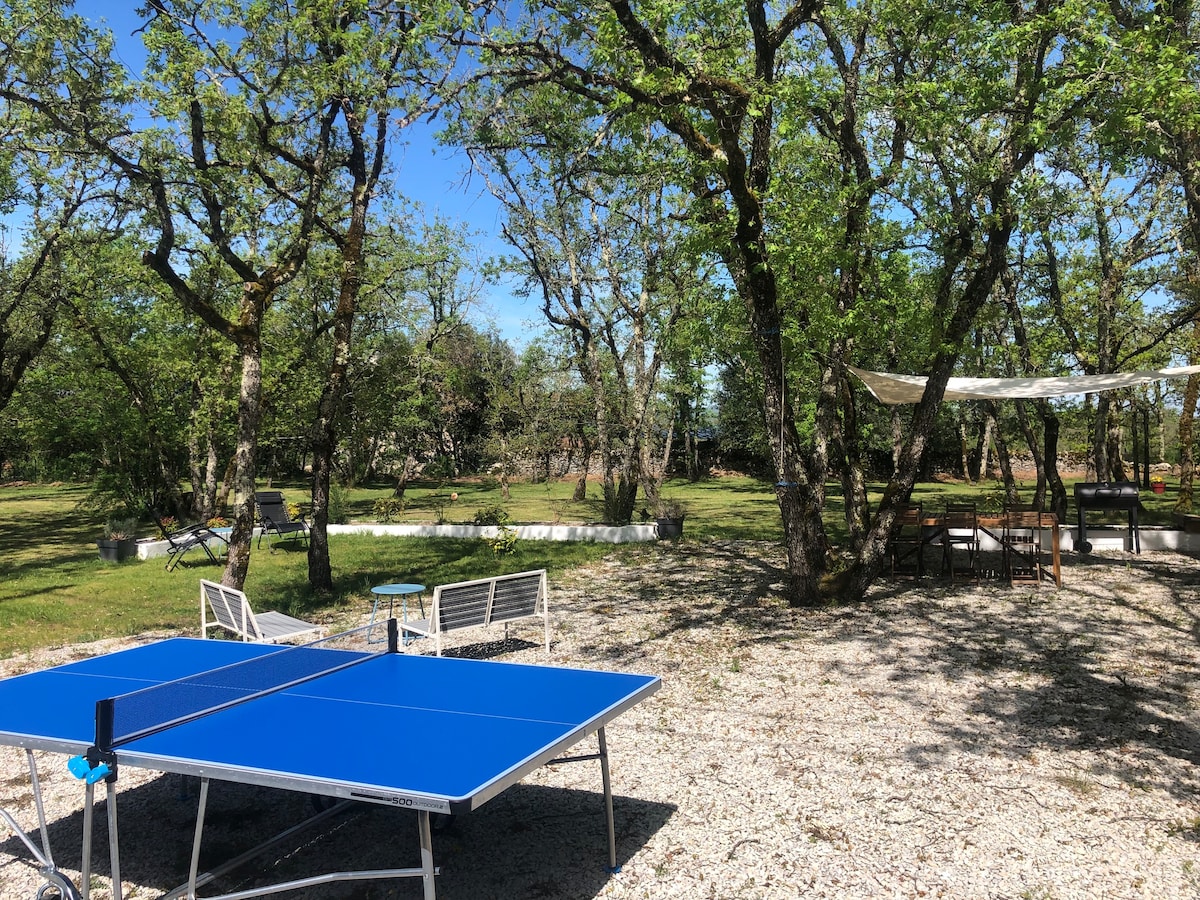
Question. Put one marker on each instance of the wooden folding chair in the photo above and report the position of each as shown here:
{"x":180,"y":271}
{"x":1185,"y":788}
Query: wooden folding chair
{"x":960,"y":529}
{"x":1022,"y":539}
{"x":906,"y":547}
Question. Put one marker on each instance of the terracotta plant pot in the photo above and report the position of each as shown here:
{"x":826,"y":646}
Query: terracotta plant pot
{"x":1158,"y":487}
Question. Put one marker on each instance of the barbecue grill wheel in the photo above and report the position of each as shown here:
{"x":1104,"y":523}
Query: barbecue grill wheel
{"x":1085,"y":547}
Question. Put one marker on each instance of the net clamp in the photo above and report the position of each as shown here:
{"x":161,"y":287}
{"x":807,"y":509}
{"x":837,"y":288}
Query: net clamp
{"x":93,"y":768}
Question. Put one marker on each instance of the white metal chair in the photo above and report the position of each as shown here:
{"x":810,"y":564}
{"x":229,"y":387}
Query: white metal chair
{"x":486,"y":601}
{"x":231,"y":611}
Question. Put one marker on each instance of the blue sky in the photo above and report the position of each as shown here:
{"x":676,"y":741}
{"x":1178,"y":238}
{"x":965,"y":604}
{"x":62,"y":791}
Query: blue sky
{"x":433,"y":176}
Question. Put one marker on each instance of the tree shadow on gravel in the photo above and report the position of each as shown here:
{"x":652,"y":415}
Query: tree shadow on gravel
{"x":1106,"y":665}
{"x":531,"y":841}
{"x":695,"y":587}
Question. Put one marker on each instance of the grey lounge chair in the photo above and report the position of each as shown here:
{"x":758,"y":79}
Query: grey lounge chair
{"x":181,"y":540}
{"x":274,"y":518}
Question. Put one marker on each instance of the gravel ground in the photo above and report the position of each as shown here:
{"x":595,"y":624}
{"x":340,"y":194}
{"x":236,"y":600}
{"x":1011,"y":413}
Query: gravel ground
{"x":957,"y":741}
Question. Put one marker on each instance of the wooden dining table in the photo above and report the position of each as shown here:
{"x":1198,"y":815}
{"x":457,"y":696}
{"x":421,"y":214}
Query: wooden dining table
{"x":993,"y":526}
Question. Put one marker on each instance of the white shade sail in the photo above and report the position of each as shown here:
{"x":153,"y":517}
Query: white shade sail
{"x":895,"y":389}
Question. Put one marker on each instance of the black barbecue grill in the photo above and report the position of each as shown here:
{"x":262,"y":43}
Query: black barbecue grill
{"x":1106,"y":495}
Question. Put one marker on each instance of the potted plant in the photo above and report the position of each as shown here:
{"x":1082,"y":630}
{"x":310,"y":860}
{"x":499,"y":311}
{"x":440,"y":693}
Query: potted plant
{"x":669,"y":516}
{"x":117,"y":542}
{"x":1157,"y":484}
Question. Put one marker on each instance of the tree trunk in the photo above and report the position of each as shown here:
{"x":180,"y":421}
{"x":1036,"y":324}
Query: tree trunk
{"x":691,"y":446}
{"x":1011,"y":495}
{"x":964,"y":452}
{"x":1187,"y":452}
{"x":402,"y":479}
{"x":1035,"y":451}
{"x":206,"y":504}
{"x":1140,"y":469}
{"x":800,"y":502}
{"x":1058,"y":493}
{"x":197,"y":449}
{"x":324,"y":444}
{"x":227,"y":480}
{"x":1009,"y":283}
{"x":237,"y":564}
{"x":505,"y":489}
{"x":1160,"y":422}
{"x":986,"y":429}
{"x":854,"y":486}
{"x":1116,"y":461}
{"x":1100,"y":439}
{"x":585,"y":461}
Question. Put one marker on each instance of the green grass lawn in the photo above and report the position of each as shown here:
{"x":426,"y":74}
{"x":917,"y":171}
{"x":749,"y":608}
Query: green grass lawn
{"x":54,"y":589}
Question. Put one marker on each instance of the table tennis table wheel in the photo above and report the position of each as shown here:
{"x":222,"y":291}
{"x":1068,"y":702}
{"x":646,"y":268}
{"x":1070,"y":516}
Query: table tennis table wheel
{"x":59,"y":885}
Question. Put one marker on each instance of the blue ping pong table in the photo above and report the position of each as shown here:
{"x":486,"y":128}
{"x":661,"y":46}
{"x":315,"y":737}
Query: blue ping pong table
{"x":429,"y":734}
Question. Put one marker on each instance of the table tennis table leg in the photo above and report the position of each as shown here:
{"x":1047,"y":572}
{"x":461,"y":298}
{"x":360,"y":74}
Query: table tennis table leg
{"x":85,"y":865}
{"x":427,"y":870}
{"x":114,"y":853}
{"x":200,"y":813}
{"x":606,"y":780}
{"x":36,"y":785}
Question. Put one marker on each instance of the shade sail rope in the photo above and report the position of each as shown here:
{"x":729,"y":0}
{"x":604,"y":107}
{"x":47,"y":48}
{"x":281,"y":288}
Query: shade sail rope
{"x":893,"y":389}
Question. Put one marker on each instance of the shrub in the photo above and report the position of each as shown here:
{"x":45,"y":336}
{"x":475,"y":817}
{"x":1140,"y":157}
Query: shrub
{"x":670,"y":509}
{"x":504,"y":543}
{"x":388,"y":508}
{"x":492,"y":515}
{"x":339,"y":513}
{"x":120,"y":529}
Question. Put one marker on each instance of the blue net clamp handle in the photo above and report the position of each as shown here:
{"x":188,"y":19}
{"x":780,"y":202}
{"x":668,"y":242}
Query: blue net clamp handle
{"x":91,"y":769}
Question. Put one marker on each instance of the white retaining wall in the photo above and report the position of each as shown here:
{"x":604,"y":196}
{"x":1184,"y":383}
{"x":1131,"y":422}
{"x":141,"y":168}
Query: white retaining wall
{"x":605,"y":534}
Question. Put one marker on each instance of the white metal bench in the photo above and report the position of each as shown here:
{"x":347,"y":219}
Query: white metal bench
{"x":484,"y":602}
{"x":231,"y":611}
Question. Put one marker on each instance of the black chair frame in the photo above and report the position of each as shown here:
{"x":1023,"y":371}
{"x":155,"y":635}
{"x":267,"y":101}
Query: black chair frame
{"x":181,"y":540}
{"x":274,"y":519}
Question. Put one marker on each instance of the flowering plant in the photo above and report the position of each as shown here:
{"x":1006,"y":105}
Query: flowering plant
{"x":1157,"y":479}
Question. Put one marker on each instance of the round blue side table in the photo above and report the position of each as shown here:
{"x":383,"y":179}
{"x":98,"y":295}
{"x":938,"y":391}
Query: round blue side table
{"x":392,"y":591}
